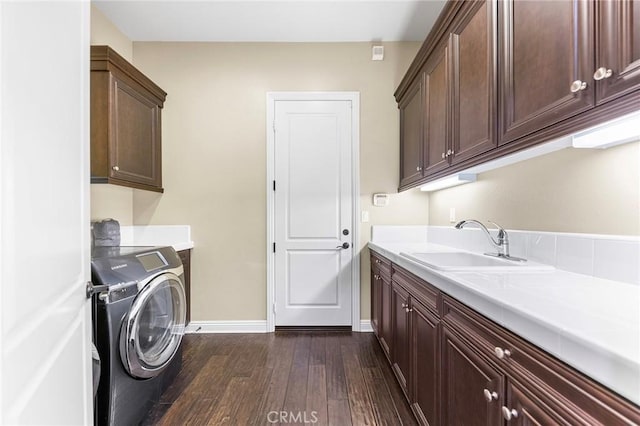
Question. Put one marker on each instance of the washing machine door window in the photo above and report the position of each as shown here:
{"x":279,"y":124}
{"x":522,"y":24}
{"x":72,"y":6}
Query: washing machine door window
{"x":153,"y":328}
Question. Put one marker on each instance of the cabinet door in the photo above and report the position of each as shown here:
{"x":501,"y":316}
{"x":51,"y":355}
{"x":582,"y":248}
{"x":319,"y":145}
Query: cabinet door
{"x":376,"y":294}
{"x":436,"y":111}
{"x":386,"y":334}
{"x":135,"y":153}
{"x":400,"y":324}
{"x":411,"y":133}
{"x":424,"y":364}
{"x":618,"y":48}
{"x":185,"y":258}
{"x":547,"y":51}
{"x":465,"y":377}
{"x":474,"y":71}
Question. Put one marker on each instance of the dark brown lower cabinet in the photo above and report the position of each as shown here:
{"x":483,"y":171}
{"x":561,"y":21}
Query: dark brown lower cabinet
{"x":400,"y":352}
{"x":386,"y":335}
{"x":376,"y":295}
{"x":523,"y":408}
{"x":381,"y":302}
{"x":416,"y":344}
{"x":465,"y":378}
{"x":457,"y":367}
{"x":425,"y":345}
{"x":185,"y":258}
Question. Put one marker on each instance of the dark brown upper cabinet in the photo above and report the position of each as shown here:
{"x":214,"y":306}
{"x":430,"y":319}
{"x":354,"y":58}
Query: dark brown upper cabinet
{"x":617,"y":69}
{"x":411,"y":133}
{"x":515,"y":74}
{"x":458,"y":107}
{"x":125,"y":123}
{"x":472,"y":43}
{"x":547,"y":59}
{"x":436,"y":110}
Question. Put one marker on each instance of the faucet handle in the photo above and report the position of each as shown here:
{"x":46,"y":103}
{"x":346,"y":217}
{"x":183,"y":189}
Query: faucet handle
{"x":502,"y":233}
{"x":503,"y":237}
{"x":503,"y":240}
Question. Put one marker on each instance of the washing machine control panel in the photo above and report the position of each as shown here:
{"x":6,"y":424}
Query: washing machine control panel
{"x":152,"y":261}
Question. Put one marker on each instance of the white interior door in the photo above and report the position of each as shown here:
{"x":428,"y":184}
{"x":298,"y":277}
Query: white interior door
{"x":313,"y":212}
{"x":45,"y":318}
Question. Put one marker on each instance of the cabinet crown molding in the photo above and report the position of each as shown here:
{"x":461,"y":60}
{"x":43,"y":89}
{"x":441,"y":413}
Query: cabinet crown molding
{"x":104,"y":58}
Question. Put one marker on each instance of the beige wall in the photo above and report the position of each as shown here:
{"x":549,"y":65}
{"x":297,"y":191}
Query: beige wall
{"x":111,"y":201}
{"x":214,"y":156}
{"x":104,"y":32}
{"x":572,"y":190}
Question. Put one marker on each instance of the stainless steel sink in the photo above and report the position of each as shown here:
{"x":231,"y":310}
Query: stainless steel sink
{"x":471,"y":262}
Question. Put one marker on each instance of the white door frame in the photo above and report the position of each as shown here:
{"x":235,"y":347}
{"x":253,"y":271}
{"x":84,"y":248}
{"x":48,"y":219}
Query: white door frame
{"x":354,"y":97}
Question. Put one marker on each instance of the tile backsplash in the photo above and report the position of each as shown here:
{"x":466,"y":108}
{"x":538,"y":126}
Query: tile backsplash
{"x":604,"y":256}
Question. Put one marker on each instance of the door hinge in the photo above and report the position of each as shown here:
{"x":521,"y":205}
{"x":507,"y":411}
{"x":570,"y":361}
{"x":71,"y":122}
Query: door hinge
{"x":274,"y":185}
{"x":274,"y":126}
{"x":274,"y":247}
{"x":274,"y":308}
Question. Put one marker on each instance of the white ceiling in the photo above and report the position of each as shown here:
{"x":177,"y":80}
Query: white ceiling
{"x":274,"y":21}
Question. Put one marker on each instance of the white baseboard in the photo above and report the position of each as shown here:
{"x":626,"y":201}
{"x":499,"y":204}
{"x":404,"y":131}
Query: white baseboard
{"x":365,"y":326}
{"x":253,"y":326}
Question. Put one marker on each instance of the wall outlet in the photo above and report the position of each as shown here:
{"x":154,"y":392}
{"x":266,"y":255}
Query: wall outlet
{"x":364,"y":216}
{"x":452,"y":214}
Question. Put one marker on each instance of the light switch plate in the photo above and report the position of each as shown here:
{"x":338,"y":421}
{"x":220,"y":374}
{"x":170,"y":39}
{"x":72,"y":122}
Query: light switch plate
{"x":365,"y":216}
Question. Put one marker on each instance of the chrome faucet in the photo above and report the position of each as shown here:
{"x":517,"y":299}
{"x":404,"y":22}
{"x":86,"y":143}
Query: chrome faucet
{"x":501,"y":244}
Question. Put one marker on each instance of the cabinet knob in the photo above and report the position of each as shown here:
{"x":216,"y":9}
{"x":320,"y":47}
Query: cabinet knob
{"x":404,"y":305}
{"x":508,"y":414}
{"x":502,"y":353}
{"x":443,"y":155}
{"x":449,"y":152}
{"x":490,"y":396}
{"x":418,"y":168}
{"x":577,"y":86}
{"x":376,"y":277}
{"x":602,"y":73}
{"x":377,"y":260}
{"x":115,"y":168}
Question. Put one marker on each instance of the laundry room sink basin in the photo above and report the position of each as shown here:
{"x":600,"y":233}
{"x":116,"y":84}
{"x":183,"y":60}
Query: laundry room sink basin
{"x":471,"y":262}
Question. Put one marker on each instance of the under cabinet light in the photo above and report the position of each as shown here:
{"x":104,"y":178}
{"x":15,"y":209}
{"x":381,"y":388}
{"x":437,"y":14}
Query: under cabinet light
{"x":615,"y":132}
{"x":448,"y":182}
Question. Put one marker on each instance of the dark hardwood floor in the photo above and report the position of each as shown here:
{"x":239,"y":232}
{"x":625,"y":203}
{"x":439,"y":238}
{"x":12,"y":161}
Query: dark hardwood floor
{"x":322,"y":378}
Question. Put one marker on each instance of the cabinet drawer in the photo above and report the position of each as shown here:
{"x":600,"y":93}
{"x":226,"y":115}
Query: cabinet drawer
{"x":554,"y":383}
{"x":484,"y":335}
{"x":566,"y":390}
{"x":381,"y":265}
{"x":419,"y":289}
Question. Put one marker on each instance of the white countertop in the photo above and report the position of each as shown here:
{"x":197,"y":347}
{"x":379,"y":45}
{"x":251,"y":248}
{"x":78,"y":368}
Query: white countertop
{"x":176,"y":236}
{"x":592,"y":324}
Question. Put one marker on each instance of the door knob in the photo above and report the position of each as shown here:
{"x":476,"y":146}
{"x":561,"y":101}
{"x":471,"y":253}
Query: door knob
{"x":116,"y":168}
{"x":343,"y":246}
